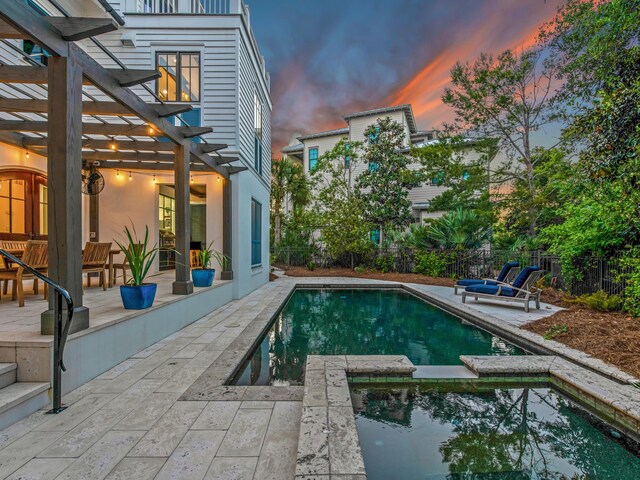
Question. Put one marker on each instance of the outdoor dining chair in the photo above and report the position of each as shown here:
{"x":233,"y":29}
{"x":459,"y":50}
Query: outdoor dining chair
{"x":36,"y":256}
{"x":15,"y":247}
{"x":94,"y":260}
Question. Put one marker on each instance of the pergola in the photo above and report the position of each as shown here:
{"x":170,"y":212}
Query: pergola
{"x":68,"y":123}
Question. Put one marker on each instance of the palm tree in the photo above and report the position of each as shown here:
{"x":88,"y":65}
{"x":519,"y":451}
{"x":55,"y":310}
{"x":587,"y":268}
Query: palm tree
{"x":458,"y":229}
{"x":288,"y":181}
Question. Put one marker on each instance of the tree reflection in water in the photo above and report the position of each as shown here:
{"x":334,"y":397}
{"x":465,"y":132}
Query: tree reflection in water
{"x":530,"y":433}
{"x":362,"y":322}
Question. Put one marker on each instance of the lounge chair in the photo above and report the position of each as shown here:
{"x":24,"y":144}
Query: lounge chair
{"x":521,"y":290}
{"x":507,"y":275}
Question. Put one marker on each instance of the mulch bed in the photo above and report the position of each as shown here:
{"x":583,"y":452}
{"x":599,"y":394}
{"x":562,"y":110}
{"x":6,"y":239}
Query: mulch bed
{"x":392,"y":277}
{"x":610,"y":336}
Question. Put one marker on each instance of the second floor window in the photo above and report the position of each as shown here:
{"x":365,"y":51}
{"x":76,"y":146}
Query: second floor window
{"x":179,"y":76}
{"x":347,"y":158}
{"x":313,"y":158}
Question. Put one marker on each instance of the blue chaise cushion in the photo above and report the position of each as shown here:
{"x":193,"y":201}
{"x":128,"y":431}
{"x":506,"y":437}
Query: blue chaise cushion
{"x":473,"y":281}
{"x":490,"y":290}
{"x":505,"y":269}
{"x":523,"y":275}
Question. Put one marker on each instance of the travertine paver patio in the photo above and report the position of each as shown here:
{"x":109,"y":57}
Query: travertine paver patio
{"x":130,"y":424}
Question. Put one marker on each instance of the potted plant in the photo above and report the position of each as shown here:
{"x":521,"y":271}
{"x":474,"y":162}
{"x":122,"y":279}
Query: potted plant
{"x":137,"y":295}
{"x":203,"y":276}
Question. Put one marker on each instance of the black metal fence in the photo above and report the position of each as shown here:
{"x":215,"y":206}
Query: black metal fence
{"x":586,"y":275}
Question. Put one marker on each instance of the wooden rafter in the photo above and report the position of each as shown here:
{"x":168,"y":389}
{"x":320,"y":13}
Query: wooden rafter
{"x":38,"y":75}
{"x":30,"y":105}
{"x":37,"y":143}
{"x":76,"y":28}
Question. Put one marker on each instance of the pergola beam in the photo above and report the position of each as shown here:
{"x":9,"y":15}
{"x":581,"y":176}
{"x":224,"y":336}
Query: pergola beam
{"x":117,"y":155}
{"x":37,"y":143}
{"x":38,"y":75}
{"x":233,"y":170}
{"x":76,"y":29}
{"x":211,"y":147}
{"x":107,"y":129}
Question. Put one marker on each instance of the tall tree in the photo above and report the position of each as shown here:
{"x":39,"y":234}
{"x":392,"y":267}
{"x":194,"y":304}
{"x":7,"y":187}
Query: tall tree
{"x":506,"y":98}
{"x":384,"y":186}
{"x":288,"y":182}
{"x":344,"y":229}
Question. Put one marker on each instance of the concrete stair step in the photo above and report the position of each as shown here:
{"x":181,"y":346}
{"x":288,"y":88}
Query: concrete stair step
{"x":21,"y":399}
{"x":7,"y":374}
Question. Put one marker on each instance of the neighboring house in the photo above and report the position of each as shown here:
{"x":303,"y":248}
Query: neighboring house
{"x":314,"y":145}
{"x":208,"y":58}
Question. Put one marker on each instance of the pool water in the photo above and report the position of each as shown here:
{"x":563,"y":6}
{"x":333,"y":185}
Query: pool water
{"x":362,"y":322}
{"x":526,"y":433}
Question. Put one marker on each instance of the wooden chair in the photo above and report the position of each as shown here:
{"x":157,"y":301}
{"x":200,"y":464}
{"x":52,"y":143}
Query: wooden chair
{"x":12,"y":246}
{"x":194,"y":257}
{"x":94,"y":260}
{"x":36,"y":256}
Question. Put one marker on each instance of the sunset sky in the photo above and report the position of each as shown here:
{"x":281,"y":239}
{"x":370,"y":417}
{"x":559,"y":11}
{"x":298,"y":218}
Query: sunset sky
{"x":332,"y":57}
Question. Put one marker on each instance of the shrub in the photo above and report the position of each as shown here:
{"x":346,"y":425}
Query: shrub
{"x":600,"y":301}
{"x":311,"y":266}
{"x":432,"y":264}
{"x":555,"y":330}
{"x":385,"y":262}
{"x":631,"y":260}
{"x":359,"y":269}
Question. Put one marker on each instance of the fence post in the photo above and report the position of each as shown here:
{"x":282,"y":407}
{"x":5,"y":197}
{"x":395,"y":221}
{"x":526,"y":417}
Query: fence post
{"x":288,"y":256}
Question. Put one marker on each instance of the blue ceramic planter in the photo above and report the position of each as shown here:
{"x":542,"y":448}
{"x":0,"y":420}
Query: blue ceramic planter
{"x":203,"y":277}
{"x":138,"y":297}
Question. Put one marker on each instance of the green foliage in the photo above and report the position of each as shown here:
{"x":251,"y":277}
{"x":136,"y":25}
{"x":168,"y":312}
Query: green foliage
{"x":385,"y":262}
{"x":555,"y":330}
{"x":458,"y":229}
{"x":631,"y":261}
{"x":383,"y":188}
{"x":430,"y":263}
{"x":208,"y":253}
{"x":311,"y":266}
{"x":138,"y":254}
{"x":600,"y":301}
{"x":288,"y":181}
{"x":344,"y":228}
{"x":359,"y":269}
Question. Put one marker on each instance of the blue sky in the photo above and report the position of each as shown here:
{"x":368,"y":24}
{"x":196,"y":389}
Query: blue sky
{"x":332,"y":57}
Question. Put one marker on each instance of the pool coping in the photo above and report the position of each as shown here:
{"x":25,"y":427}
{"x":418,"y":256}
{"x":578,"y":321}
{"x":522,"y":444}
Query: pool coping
{"x":328,"y":443}
{"x":234,"y":356}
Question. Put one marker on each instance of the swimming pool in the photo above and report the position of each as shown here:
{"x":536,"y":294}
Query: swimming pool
{"x":515,"y":433}
{"x":361,"y":322}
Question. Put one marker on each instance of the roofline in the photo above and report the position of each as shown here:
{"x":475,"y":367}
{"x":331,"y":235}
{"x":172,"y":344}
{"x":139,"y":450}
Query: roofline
{"x":293,"y":148}
{"x":406,"y":108}
{"x":328,"y":133}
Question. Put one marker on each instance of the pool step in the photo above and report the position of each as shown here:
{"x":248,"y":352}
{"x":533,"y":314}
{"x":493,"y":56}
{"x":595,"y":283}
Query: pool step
{"x":19,"y":399}
{"x":443,"y":372}
{"x":8,"y":372}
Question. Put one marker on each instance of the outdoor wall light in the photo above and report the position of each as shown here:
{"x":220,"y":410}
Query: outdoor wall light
{"x":130,"y":177}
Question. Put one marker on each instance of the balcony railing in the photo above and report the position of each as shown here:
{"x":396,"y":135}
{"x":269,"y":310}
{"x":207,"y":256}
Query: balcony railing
{"x":198,"y":7}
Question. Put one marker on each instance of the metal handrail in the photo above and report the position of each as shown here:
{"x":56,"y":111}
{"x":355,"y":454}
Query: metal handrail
{"x":60,"y":332}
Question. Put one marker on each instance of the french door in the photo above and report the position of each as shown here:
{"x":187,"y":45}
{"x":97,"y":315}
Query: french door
{"x":23,"y":205}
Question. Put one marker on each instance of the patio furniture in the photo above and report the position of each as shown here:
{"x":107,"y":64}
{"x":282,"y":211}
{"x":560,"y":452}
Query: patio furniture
{"x":36,"y":256}
{"x":94,"y":260}
{"x":522,"y":289}
{"x":16,"y":248}
{"x":507,"y":275}
{"x":194,"y":259}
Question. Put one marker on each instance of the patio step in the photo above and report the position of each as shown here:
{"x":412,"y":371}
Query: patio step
{"x":21,"y":399}
{"x":7,"y":374}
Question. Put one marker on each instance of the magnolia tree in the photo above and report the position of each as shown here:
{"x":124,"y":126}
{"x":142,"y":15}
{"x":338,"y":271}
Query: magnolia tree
{"x":383,"y":188}
{"x":343,"y":226}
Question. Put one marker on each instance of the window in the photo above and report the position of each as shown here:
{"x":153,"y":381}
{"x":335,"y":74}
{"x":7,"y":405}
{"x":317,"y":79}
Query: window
{"x":466,"y":175}
{"x":167,"y":213}
{"x":313,"y":158}
{"x":23,"y":205}
{"x":374,"y":167}
{"x":256,"y":233}
{"x":257,"y":125}
{"x":438,"y":179}
{"x":374,"y":136}
{"x":347,"y":158}
{"x":179,"y":76}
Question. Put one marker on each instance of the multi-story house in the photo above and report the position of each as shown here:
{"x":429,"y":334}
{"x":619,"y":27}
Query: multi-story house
{"x":312,"y":146}
{"x":113,"y":113}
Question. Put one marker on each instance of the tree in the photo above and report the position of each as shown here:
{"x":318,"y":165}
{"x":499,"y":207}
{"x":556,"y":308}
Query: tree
{"x":506,"y":98}
{"x":458,"y":229}
{"x":462,"y":167}
{"x":383,"y":188}
{"x":344,"y":228}
{"x":288,"y":181}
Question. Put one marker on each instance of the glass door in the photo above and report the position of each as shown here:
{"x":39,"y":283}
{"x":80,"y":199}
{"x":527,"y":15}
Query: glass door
{"x":23,"y":206}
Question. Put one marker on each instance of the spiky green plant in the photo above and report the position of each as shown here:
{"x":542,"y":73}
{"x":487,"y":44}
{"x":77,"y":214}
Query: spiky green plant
{"x":138,"y":254}
{"x":206,"y":254}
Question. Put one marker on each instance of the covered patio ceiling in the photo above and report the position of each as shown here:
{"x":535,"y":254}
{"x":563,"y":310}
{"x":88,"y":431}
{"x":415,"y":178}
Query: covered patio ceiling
{"x":119,"y":129}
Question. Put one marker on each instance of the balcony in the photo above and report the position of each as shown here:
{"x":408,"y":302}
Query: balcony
{"x":191,"y":7}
